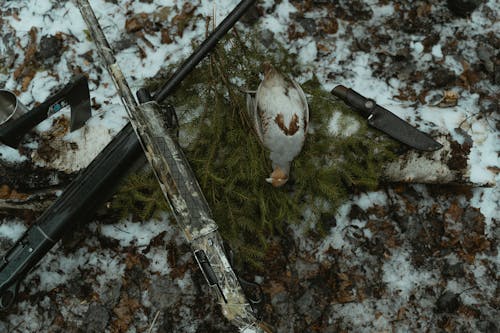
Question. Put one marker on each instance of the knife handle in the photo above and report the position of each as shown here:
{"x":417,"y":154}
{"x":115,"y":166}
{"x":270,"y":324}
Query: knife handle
{"x":359,"y":102}
{"x":13,"y":131}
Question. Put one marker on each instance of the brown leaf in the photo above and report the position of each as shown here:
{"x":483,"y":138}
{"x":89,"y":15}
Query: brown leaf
{"x":455,"y":212}
{"x":58,"y":320}
{"x":330,"y":26}
{"x":60,"y":126}
{"x":165,"y":37}
{"x":181,"y":20}
{"x":322,"y":48}
{"x":293,"y":34}
{"x":18,"y":196}
{"x":4,"y":191}
{"x":124,"y":312}
{"x":25,"y":69}
{"x":361,"y":295}
{"x":162,"y":14}
{"x":137,"y":22}
{"x":345,"y":296}
{"x":15,"y":15}
{"x":449,"y":325}
{"x":136,"y":259}
{"x":401,"y":313}
{"x":158,"y":240}
{"x":469,"y":311}
{"x":407,"y":94}
{"x":133,"y":24}
{"x":467,"y":257}
{"x":12,"y":194}
{"x":377,"y":210}
{"x":26,"y":82}
{"x":422,"y":95}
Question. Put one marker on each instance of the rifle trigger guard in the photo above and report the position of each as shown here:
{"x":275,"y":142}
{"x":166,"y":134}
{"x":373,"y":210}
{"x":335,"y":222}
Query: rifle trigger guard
{"x":8,"y":296}
{"x":208,"y":271}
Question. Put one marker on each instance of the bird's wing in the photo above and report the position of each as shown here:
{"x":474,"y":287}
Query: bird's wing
{"x":303,"y":100}
{"x":253,"y":115}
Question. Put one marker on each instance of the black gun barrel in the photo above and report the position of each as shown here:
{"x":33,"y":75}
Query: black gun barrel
{"x":203,"y":49}
{"x":91,"y":188}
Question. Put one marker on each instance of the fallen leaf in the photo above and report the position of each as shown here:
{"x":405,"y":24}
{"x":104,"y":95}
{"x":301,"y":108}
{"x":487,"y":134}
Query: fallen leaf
{"x":330,"y":26}
{"x":345,"y":296}
{"x":165,"y":37}
{"x":26,"y":82}
{"x":124,"y":311}
{"x":4,"y":191}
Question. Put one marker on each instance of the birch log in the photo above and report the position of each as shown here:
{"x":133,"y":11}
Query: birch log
{"x":448,"y":165}
{"x":28,"y":187}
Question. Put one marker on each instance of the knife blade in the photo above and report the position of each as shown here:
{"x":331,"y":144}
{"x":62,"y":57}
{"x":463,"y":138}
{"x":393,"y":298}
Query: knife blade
{"x":386,"y":121}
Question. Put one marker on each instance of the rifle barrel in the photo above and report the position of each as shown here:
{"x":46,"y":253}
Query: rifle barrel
{"x":203,"y":49}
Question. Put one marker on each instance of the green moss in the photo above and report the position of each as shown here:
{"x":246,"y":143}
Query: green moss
{"x":231,"y":164}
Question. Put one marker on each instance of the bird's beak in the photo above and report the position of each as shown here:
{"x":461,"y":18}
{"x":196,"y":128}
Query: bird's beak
{"x":269,"y":180}
{"x":268,"y":68}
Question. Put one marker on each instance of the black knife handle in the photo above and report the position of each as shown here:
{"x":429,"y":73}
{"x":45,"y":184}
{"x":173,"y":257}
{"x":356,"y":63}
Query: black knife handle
{"x":363,"y":105}
{"x":92,"y":187}
{"x":13,"y":131}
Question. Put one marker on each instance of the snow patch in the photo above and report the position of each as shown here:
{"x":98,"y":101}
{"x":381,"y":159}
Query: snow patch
{"x":136,"y":233}
{"x":402,"y":278}
{"x":11,"y":155}
{"x":12,"y":230}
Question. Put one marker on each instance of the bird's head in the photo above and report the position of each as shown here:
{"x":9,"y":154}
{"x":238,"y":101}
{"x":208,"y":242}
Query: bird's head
{"x":269,"y":70}
{"x":278,"y":177}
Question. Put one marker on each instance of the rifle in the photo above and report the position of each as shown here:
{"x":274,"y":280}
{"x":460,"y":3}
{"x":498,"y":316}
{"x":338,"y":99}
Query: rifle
{"x":173,"y":172}
{"x":91,"y":188}
{"x":172,"y":169}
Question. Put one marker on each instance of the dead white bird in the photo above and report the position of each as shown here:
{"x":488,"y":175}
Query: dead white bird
{"x":280,"y":115}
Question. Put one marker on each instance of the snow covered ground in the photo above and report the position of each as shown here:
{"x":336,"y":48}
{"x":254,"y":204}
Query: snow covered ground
{"x":404,"y":258}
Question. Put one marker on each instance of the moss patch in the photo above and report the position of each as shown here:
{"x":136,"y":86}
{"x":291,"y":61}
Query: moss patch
{"x":231,"y":164}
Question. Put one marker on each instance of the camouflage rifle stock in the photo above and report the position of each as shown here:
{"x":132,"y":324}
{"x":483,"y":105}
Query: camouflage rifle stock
{"x":175,"y":176}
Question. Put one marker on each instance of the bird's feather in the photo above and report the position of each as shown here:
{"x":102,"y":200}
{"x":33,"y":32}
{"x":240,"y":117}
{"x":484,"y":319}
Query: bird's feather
{"x":303,"y":99}
{"x":253,"y":116}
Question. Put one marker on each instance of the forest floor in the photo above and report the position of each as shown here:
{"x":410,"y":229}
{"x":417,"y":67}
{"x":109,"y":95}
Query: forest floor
{"x":405,"y":257}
